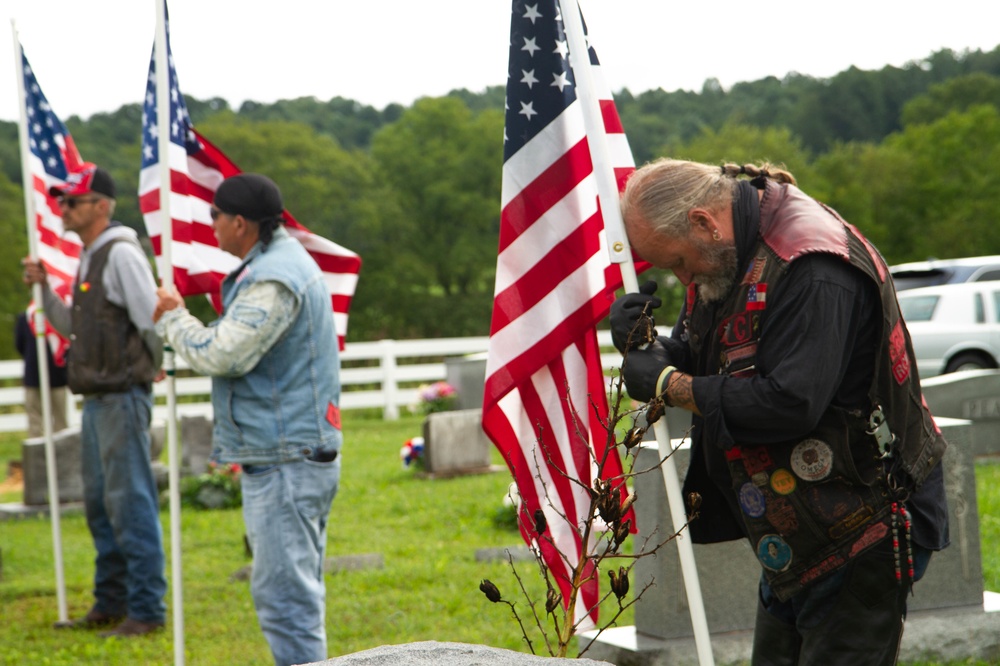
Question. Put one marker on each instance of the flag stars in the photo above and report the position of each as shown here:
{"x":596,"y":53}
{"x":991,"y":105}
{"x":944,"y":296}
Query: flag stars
{"x":531,"y":13}
{"x":529,"y":78}
{"x":560,"y":81}
{"x":562,"y":48}
{"x":528,"y":110}
{"x":530,"y":46}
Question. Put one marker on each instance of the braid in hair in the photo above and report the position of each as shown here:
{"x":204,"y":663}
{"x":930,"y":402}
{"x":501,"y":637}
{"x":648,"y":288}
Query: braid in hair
{"x":767,"y":170}
{"x":266,"y":229}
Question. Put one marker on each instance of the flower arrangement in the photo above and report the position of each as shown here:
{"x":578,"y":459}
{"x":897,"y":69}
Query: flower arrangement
{"x":218,"y":488}
{"x":412,"y":453}
{"x":436,"y":397}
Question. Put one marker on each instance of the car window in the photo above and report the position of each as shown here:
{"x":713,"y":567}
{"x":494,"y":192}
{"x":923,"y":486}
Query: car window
{"x":980,"y":310}
{"x":918,"y":308}
{"x":988,"y":276}
{"x":996,"y":305}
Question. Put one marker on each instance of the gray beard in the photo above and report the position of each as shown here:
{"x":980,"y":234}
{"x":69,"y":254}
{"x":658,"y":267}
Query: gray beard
{"x":716,"y":284}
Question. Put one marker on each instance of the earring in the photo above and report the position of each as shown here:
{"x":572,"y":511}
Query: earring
{"x":716,"y":236}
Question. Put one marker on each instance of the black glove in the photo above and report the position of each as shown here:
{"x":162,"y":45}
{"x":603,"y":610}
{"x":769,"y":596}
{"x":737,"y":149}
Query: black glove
{"x":634,"y":311}
{"x":642,"y":369}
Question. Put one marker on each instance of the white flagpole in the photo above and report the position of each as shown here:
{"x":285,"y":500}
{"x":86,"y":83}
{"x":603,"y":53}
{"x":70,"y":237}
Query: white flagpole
{"x":621,"y":254}
{"x":167,"y":278}
{"x":51,"y":479}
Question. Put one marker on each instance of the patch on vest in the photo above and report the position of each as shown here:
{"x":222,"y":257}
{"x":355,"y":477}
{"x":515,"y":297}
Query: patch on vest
{"x":333,"y":415}
{"x":774,"y":554}
{"x":897,"y":353}
{"x":757,"y":296}
{"x":755,"y":270}
{"x":831,"y":563}
{"x":812,"y":460}
{"x":739,"y":328}
{"x":752,"y":501}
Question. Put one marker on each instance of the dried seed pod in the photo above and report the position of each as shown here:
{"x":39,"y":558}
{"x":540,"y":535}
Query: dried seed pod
{"x":552,"y":601}
{"x":694,"y":501}
{"x":622,"y":532}
{"x":622,"y":583}
{"x":540,"y":522}
{"x":490,"y":590}
{"x":633,"y":438}
{"x":629,"y":501}
{"x":655,"y":410}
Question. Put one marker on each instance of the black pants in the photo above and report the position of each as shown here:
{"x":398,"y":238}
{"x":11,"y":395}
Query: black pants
{"x":852,"y":618}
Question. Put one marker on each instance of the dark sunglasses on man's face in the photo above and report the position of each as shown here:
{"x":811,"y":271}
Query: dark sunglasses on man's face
{"x":215,"y":213}
{"x":71,"y":202}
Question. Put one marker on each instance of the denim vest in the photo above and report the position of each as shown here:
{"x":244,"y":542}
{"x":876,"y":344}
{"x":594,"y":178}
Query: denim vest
{"x":287,"y":407}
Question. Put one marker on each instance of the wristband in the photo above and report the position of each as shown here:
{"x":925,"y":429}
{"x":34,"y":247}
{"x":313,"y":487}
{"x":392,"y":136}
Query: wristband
{"x":662,"y":382}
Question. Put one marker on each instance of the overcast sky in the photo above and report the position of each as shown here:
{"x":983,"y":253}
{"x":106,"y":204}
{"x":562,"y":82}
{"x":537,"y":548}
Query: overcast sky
{"x":93,"y":56}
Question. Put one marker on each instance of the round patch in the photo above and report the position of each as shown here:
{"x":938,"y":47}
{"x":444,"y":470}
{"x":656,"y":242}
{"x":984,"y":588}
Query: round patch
{"x":752,"y":500}
{"x":759,"y":479}
{"x":774,"y":554}
{"x":812,"y":460}
{"x":782,"y":482}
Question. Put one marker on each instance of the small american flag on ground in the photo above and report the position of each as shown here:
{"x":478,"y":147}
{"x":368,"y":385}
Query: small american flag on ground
{"x":196,"y":170}
{"x":545,"y":391}
{"x":52,"y":154}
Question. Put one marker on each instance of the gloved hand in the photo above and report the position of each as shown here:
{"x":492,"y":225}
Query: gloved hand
{"x":642,"y":369}
{"x":634,"y":311}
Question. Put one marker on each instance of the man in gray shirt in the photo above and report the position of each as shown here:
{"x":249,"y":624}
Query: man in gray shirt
{"x":113,"y":359}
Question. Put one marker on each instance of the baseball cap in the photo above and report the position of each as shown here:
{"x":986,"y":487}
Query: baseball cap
{"x":251,"y":195}
{"x":86,"y":178}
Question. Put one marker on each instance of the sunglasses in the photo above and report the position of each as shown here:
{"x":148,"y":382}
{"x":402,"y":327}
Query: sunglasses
{"x":74,"y":202}
{"x":215,"y":213}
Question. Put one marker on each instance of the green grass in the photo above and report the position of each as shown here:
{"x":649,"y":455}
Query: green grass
{"x":426,"y":530}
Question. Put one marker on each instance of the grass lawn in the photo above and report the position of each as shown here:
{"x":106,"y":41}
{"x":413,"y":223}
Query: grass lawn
{"x":426,"y":531}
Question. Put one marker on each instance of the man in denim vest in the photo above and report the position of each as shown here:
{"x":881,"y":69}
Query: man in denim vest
{"x":274,"y":361}
{"x":113,"y":358}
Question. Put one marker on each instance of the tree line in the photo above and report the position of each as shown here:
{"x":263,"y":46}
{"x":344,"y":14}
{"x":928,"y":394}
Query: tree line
{"x":908,"y":154}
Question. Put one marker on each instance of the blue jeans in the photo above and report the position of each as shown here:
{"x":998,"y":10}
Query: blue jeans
{"x":122,"y":504}
{"x":285,"y":508}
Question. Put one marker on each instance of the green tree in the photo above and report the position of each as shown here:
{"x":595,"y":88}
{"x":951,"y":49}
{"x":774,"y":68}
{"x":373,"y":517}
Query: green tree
{"x":953,"y":95}
{"x":443,"y":162}
{"x":14,"y":296}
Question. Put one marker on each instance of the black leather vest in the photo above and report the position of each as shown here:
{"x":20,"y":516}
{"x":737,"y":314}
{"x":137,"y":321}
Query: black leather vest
{"x":106,"y":353}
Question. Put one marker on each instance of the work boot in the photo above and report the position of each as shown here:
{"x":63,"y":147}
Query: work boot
{"x":132,"y":627}
{"x":94,"y":619}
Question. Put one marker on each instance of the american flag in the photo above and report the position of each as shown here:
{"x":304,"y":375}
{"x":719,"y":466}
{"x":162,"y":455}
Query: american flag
{"x":196,"y":169}
{"x":52,"y":154}
{"x":545,"y":389}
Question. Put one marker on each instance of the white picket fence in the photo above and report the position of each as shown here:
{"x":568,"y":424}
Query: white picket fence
{"x":382,"y":375}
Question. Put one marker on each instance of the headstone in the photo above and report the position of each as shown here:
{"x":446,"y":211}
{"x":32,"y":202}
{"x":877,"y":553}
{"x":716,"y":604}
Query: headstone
{"x":467,"y":375}
{"x":728,"y":572}
{"x":454,"y":443}
{"x":196,"y":443}
{"x":67,"y":446}
{"x":973,"y":395}
{"x":449,"y":654}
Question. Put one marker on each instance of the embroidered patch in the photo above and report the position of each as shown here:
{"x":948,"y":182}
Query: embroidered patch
{"x":781,"y":514}
{"x":333,"y":415}
{"x":757,"y":296}
{"x":774,"y":554}
{"x":757,"y":459}
{"x":244,"y":274}
{"x":834,"y":500}
{"x":782,"y":482}
{"x":897,"y":353}
{"x":831,"y":563}
{"x":872,"y":535}
{"x":751,"y":500}
{"x":812,"y":460}
{"x":853,"y":521}
{"x":738,"y":329}
{"x":755,"y":270}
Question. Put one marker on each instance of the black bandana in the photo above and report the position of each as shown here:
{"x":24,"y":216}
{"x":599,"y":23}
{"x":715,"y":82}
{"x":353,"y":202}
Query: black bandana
{"x":746,"y":221}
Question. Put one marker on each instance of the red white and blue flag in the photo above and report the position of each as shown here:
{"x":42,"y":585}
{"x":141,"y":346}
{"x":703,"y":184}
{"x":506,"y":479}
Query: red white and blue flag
{"x":52,"y":154}
{"x":196,"y":169}
{"x":545,"y":393}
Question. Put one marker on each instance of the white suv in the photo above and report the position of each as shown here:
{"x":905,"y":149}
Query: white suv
{"x":953,"y":326}
{"x":945,"y":271}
